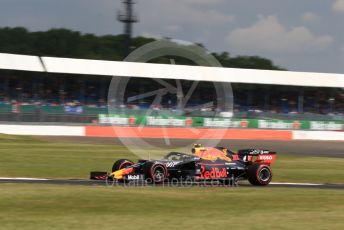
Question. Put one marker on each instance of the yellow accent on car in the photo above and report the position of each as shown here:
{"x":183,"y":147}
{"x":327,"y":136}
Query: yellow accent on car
{"x":118,"y":174}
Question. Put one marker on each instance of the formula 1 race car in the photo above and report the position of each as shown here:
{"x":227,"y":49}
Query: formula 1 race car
{"x":205,"y":163}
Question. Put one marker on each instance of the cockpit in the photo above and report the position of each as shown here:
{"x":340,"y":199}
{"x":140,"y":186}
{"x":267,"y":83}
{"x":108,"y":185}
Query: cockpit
{"x":176,"y":156}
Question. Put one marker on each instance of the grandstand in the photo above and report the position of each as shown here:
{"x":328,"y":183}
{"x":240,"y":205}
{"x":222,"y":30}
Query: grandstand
{"x":42,"y":95}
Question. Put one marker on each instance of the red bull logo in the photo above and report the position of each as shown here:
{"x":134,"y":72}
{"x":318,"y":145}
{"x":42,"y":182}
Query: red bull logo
{"x":211,"y":154}
{"x":213,"y":173}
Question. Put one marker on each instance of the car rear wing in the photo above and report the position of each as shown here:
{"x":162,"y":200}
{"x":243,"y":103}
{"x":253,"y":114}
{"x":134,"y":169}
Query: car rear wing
{"x":257,"y":156}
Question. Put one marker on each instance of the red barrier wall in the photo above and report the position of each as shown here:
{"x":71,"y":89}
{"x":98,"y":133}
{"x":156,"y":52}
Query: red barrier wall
{"x":187,"y":133}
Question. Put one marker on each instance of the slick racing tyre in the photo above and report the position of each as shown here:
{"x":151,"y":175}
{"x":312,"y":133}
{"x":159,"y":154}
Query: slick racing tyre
{"x":120,"y":164}
{"x":155,"y":172}
{"x":259,"y":174}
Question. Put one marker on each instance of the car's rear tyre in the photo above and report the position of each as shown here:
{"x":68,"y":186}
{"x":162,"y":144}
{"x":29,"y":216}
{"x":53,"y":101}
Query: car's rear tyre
{"x":259,"y":174}
{"x":155,"y":172}
{"x":121,"y":164}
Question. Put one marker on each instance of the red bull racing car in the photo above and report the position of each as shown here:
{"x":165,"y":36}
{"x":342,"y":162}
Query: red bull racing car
{"x":203,"y":164}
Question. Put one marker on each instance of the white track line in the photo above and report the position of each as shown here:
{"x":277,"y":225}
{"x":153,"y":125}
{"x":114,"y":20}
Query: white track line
{"x":301,"y":184}
{"x":40,"y":179}
{"x":23,"y":178}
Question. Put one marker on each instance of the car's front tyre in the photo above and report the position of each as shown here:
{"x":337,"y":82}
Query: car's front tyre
{"x":121,"y":164}
{"x":155,"y":172}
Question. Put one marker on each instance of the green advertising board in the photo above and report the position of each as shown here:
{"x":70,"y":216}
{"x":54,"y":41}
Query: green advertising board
{"x":182,"y":121}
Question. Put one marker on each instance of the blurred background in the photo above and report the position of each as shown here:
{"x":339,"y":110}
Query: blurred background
{"x":48,"y":97}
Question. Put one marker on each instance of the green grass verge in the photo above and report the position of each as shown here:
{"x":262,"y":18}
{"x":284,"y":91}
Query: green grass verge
{"x":27,"y":206}
{"x":29,"y":157}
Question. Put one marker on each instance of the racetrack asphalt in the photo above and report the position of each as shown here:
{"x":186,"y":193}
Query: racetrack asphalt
{"x":312,"y":148}
{"x":4,"y":180}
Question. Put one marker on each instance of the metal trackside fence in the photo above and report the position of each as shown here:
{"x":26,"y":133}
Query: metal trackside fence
{"x":125,"y":117}
{"x":44,"y":117}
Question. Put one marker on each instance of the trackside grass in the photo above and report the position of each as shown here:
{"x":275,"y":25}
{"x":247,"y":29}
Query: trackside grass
{"x":50,"y":207}
{"x":22,"y":156}
{"x":55,"y":207}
